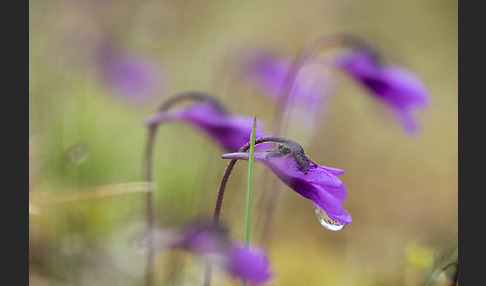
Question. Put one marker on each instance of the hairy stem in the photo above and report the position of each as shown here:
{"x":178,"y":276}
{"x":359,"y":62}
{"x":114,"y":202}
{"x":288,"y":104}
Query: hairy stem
{"x":189,"y":95}
{"x":229,"y":169}
{"x":222,"y":188}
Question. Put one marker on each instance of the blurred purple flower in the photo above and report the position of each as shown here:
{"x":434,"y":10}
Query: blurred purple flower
{"x":133,"y":78}
{"x":267,"y":72}
{"x":231,"y":131}
{"x":211,"y":242}
{"x":203,"y":238}
{"x":314,"y":182}
{"x":250,"y":263}
{"x":312,"y":85}
{"x":399,"y":88}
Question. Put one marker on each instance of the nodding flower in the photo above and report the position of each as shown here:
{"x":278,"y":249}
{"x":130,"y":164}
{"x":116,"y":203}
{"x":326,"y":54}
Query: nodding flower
{"x":310,"y":87}
{"x":208,"y":241}
{"x":396,"y":86}
{"x":267,"y":71}
{"x":209,"y":116}
{"x":132,"y":77}
{"x":310,"y":180}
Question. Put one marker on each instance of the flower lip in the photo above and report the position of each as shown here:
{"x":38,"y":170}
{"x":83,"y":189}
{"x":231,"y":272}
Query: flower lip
{"x":310,"y":180}
{"x":396,"y":86}
{"x":230,"y":131}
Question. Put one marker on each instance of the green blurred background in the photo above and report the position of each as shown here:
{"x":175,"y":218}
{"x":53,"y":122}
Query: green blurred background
{"x":86,"y":139}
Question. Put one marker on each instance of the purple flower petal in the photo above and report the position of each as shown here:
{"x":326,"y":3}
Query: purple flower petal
{"x":249,"y":263}
{"x":209,"y":241}
{"x":397,"y":87}
{"x":311,"y":86}
{"x":231,"y":131}
{"x":319,"y":184}
{"x":204,"y":239}
{"x":268,"y":72}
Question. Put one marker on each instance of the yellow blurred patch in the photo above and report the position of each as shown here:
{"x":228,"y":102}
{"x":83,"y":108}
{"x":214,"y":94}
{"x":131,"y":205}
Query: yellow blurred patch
{"x":418,"y":256}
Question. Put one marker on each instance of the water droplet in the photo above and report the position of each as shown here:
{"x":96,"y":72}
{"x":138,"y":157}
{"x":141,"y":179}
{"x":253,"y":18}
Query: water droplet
{"x":326,"y":221}
{"x":77,"y":153}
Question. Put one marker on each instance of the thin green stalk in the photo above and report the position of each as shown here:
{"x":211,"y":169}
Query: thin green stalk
{"x":222,"y":188}
{"x":249,"y":190}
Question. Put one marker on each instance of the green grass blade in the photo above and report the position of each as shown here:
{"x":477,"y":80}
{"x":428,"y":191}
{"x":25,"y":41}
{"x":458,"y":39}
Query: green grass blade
{"x":249,"y":189}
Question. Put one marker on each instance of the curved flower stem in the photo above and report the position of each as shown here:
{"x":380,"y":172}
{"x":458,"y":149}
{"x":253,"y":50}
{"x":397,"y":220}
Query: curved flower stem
{"x":286,"y":90}
{"x":229,"y":169}
{"x":271,"y":196}
{"x":190,"y":95}
{"x":314,"y":48}
{"x":319,"y":45}
{"x":222,"y":189}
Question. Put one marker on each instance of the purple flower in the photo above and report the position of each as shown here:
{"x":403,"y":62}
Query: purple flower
{"x":211,"y":242}
{"x":314,"y":182}
{"x":251,"y":263}
{"x":267,"y":72}
{"x":312,"y":83}
{"x":397,"y":87}
{"x":203,"y":239}
{"x":231,"y":131}
{"x":133,"y":78}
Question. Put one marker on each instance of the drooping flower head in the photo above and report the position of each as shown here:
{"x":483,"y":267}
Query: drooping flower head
{"x":310,"y":180}
{"x":250,"y":263}
{"x":396,"y":86}
{"x":209,"y":116}
{"x":310,"y":87}
{"x":208,"y":241}
{"x":267,"y":71}
{"x":133,"y":78}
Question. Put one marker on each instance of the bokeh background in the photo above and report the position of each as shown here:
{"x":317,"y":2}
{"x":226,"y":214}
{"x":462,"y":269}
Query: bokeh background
{"x":87,"y":138}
